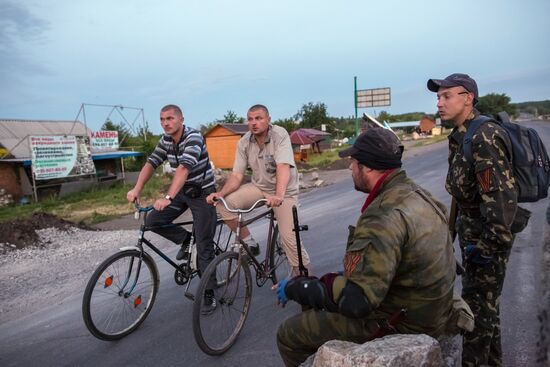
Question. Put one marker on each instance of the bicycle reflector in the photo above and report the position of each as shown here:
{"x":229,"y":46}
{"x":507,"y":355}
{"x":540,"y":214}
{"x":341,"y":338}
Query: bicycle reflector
{"x":108,"y":282}
{"x":137,"y":301}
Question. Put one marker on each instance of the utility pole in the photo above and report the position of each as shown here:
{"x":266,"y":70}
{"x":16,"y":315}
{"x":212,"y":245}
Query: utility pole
{"x":355,"y":103}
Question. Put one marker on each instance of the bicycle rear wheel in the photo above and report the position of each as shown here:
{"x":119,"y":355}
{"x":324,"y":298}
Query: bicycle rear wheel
{"x":278,"y":260}
{"x":217,"y":330}
{"x":120,"y":294}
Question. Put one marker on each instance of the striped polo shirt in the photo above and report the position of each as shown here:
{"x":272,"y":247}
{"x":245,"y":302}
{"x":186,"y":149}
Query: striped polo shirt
{"x":190,"y":152}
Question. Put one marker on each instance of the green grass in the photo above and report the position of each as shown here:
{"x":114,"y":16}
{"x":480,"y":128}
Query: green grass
{"x":323,"y":159}
{"x":91,"y":206}
{"x":433,"y":140}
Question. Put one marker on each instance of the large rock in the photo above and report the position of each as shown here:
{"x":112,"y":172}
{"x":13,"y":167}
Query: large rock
{"x":392,"y":350}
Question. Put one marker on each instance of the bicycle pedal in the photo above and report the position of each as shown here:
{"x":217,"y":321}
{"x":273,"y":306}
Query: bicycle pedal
{"x":190,"y":296}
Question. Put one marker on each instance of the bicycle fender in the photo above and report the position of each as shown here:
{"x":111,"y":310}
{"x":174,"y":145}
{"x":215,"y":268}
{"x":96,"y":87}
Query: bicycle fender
{"x":129,"y":248}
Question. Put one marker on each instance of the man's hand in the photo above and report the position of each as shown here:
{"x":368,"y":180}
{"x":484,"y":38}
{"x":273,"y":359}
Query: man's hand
{"x":213,"y":198}
{"x":132,"y":195}
{"x":311,"y":292}
{"x":274,"y":201}
{"x":280,"y":289}
{"x":161,"y":204}
{"x":475,"y":256}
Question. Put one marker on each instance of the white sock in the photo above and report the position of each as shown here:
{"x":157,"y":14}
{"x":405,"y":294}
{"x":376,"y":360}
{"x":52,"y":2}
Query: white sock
{"x":248,"y":239}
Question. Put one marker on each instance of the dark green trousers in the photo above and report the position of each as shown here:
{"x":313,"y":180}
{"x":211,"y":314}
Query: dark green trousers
{"x":481,"y":289}
{"x":301,"y":335}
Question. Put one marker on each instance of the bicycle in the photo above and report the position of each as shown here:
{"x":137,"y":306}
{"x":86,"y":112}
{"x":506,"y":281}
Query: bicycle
{"x":217,"y":330}
{"x":121,"y":291}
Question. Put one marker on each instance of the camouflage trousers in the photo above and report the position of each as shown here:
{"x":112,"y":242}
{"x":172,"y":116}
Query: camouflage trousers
{"x":301,"y":335}
{"x":481,"y":289}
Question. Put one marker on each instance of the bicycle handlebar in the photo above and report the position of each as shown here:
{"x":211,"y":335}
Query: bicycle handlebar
{"x":242,"y":211}
{"x":142,"y":209}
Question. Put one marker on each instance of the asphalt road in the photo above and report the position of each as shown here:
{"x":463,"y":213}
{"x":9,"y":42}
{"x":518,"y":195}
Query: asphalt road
{"x":56,"y":335}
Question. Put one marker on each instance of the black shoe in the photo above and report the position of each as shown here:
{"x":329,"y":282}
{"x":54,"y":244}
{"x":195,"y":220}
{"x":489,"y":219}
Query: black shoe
{"x":253,"y":246}
{"x":209,"y":304}
{"x":183,"y":253}
{"x":254,"y":249}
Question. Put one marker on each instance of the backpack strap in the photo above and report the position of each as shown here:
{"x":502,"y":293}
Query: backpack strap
{"x":467,"y":142}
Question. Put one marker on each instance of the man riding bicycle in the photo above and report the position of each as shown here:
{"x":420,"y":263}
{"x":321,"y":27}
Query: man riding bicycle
{"x":266,"y":149}
{"x":185,"y":150}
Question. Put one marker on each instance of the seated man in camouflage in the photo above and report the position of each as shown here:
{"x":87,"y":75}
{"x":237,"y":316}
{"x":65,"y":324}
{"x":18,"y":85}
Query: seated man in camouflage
{"x":398,"y":257}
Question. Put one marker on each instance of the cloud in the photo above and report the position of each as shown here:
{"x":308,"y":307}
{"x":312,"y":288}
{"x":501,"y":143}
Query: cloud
{"x":18,"y":28}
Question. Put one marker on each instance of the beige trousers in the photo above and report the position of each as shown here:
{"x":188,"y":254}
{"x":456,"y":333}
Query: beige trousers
{"x":247,"y":195}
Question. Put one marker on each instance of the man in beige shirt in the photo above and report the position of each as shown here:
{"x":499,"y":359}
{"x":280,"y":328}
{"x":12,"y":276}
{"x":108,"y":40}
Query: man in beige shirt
{"x":266,"y":149}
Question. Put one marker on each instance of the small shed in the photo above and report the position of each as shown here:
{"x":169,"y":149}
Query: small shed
{"x":221,"y":142}
{"x":305,"y":141}
{"x":426,"y":124}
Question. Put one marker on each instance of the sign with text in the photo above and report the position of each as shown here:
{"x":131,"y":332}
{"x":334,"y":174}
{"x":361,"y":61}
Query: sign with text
{"x":373,"y":97}
{"x":60,"y":156}
{"x":104,"y":141}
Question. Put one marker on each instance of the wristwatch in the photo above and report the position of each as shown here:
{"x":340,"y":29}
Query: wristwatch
{"x":168,"y":197}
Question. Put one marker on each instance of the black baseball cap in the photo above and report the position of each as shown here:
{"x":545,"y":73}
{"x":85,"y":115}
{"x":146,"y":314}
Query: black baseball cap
{"x":376,"y":148}
{"x":455,"y":80}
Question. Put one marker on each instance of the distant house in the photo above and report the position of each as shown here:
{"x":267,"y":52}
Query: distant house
{"x":306,"y":141}
{"x":426,"y":124}
{"x":16,"y":176}
{"x":221,"y":142}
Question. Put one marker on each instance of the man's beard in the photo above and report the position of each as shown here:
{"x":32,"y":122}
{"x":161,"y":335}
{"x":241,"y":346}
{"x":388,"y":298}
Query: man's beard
{"x":362,"y":189}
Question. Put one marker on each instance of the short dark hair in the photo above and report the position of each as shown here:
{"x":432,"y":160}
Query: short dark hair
{"x":171,"y":107}
{"x":259,"y":107}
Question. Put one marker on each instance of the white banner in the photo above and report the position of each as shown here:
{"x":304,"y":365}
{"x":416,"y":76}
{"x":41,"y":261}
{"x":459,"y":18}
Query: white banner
{"x":60,"y":156}
{"x":104,"y":141}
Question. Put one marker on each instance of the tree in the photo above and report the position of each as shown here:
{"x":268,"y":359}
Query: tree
{"x":493,"y":103}
{"x":204,"y":128}
{"x":288,"y":124}
{"x":231,"y":118}
{"x":313,"y":116}
{"x":123,"y":132}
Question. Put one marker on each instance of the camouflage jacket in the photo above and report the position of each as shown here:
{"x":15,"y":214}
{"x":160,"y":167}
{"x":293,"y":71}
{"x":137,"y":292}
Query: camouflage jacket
{"x":485,"y":190}
{"x":400,"y":253}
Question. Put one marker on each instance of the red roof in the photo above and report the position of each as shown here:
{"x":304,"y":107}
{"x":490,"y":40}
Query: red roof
{"x":307,"y":136}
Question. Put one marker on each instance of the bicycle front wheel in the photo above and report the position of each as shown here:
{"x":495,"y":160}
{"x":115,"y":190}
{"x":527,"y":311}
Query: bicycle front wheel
{"x":279,"y":262}
{"x":120,"y":294}
{"x":216,"y":326}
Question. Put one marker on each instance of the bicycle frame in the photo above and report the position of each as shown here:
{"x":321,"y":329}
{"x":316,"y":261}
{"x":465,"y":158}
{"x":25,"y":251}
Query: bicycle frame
{"x":263,"y":269}
{"x":142,"y":240}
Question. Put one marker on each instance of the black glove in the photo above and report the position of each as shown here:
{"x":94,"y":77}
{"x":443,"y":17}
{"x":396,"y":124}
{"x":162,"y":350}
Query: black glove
{"x":310,"y":291}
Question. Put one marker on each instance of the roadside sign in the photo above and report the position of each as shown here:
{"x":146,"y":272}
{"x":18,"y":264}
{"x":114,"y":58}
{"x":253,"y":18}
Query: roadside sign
{"x":60,"y":156}
{"x":104,"y":141}
{"x":373,"y":97}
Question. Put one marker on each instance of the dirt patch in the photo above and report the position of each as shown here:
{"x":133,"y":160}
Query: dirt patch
{"x":22,"y":233}
{"x":337,"y":165}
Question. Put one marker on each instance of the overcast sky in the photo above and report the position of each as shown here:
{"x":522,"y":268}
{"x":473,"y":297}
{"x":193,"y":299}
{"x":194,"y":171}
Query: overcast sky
{"x":213,"y":56}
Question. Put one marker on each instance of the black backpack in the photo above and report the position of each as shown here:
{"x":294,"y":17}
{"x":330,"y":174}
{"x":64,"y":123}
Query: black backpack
{"x":530,"y":161}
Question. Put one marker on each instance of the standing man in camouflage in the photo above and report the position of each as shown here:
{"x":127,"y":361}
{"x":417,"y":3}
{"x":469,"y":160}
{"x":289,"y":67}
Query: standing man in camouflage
{"x":487,"y":202}
{"x":399,"y":256}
